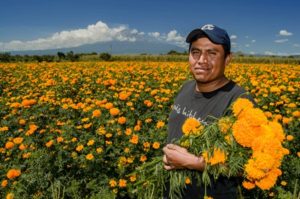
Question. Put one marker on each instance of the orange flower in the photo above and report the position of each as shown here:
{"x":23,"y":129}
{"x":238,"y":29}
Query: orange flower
{"x":248,"y":185}
{"x":122,"y":183}
{"x":143,"y":158}
{"x":156,"y":145}
{"x":109,"y":105}
{"x":18,"y":140}
{"x":13,"y":173}
{"x":218,"y":157}
{"x":28,"y":103}
{"x":49,"y":143}
{"x":160,"y":124}
{"x":224,"y":124}
{"x":4,"y":183}
{"x":122,"y":120}
{"x":9,"y":145}
{"x":79,"y":148}
{"x":89,"y":156}
{"x":90,"y":142}
{"x":134,"y":139}
{"x":112,"y":183}
{"x":59,"y":139}
{"x":289,"y":137}
{"x":22,"y":122}
{"x":241,"y":104}
{"x":96,"y":113}
{"x":114,"y":111}
{"x":132,"y":178}
{"x":191,"y":126}
{"x":187,"y":181}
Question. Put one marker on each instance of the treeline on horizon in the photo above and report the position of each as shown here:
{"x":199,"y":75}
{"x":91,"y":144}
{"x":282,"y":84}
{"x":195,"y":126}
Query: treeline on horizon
{"x":172,"y":55}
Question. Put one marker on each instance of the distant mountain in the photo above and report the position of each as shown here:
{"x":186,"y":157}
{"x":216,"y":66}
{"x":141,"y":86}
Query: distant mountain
{"x":114,"y":47}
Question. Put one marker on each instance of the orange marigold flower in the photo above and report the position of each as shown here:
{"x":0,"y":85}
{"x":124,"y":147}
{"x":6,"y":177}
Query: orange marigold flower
{"x":191,"y":126}
{"x":160,"y":124}
{"x":277,"y":130}
{"x":263,"y":161}
{"x":59,"y":139}
{"x":18,"y":140}
{"x":112,"y":183}
{"x":9,"y":145}
{"x":114,"y":111}
{"x":128,"y":131}
{"x":10,"y":196}
{"x":248,"y":185}
{"x":29,"y":102}
{"x":132,"y":178}
{"x":79,"y":148}
{"x":241,"y":104}
{"x":13,"y":173}
{"x":122,"y":183}
{"x":122,"y":120}
{"x":253,"y":116}
{"x":96,"y":113}
{"x":187,"y":181}
{"x":143,"y":158}
{"x":109,"y":105}
{"x":22,"y":122}
{"x":218,"y":156}
{"x":22,"y":147}
{"x":89,"y":156}
{"x":156,"y":145}
{"x":124,"y":95}
{"x":49,"y":143}
{"x":243,"y":133}
{"x":134,"y":139}
{"x":91,"y":142}
{"x":289,"y":137}
{"x":4,"y":183}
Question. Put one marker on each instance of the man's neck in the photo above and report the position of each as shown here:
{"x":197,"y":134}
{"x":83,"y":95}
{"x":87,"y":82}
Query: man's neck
{"x":211,"y":86}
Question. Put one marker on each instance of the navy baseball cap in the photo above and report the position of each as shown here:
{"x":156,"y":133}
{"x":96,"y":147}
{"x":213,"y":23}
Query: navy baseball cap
{"x":214,"y":33}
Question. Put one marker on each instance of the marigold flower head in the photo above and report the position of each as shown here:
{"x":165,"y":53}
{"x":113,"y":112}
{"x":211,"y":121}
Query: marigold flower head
{"x":89,"y":156}
{"x":122,"y":120}
{"x":122,"y":183}
{"x":9,"y":145}
{"x":156,"y":145}
{"x":248,"y":185}
{"x":253,"y":116}
{"x":241,"y":104}
{"x":243,"y":133}
{"x":4,"y":183}
{"x":96,"y":113}
{"x":134,"y":139}
{"x":114,"y":111}
{"x":218,"y":156}
{"x":191,"y":126}
{"x":13,"y":173}
{"x":112,"y":183}
{"x":160,"y":124}
{"x":132,"y":178}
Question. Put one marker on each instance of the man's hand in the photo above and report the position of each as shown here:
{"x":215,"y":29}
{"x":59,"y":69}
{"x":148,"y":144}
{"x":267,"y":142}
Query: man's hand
{"x":176,"y":157}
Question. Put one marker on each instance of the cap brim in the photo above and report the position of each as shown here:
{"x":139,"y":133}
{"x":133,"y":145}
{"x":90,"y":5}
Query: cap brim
{"x":192,"y":36}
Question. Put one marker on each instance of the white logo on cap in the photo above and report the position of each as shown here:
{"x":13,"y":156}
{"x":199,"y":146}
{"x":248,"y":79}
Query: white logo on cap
{"x":208,"y":27}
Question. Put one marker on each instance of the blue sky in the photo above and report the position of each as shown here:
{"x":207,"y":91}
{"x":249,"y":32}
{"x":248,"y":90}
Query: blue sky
{"x":255,"y":26}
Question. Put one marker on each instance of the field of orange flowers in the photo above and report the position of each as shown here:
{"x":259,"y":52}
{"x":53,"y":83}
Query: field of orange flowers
{"x":71,"y":130}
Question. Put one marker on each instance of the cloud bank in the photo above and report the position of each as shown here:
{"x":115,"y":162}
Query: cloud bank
{"x":99,"y":32}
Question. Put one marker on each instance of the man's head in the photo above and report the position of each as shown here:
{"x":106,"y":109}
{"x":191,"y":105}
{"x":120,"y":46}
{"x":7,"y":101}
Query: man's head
{"x":213,"y":33}
{"x":209,"y":53}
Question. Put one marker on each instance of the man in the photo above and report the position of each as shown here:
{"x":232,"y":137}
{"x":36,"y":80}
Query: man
{"x":209,"y":94}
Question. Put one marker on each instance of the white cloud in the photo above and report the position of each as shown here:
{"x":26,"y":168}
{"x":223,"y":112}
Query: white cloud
{"x":234,"y":44}
{"x":285,"y":33}
{"x":247,"y":45}
{"x":99,"y":32}
{"x":253,"y":41}
{"x":296,"y":45}
{"x":154,"y":34}
{"x":233,"y":37}
{"x":281,"y":40}
{"x":252,"y":53}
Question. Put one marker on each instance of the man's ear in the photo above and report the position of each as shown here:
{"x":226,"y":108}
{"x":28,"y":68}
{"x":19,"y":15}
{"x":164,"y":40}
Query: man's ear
{"x":228,"y":59}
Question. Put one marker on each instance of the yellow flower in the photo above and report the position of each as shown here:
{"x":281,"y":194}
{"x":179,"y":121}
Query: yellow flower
{"x":49,"y":143}
{"x":9,"y":145}
{"x":143,"y":158}
{"x":90,"y":142}
{"x":160,"y":124}
{"x":134,"y":139}
{"x":112,"y":183}
{"x":283,"y":183}
{"x":10,"y":196}
{"x":79,"y":148}
{"x":218,"y":156}
{"x":191,"y":126}
{"x":132,"y":178}
{"x":122,"y":120}
{"x":289,"y":137}
{"x":187,"y":181}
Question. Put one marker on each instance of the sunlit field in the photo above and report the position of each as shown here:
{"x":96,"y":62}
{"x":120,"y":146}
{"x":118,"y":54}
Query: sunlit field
{"x":78,"y":130}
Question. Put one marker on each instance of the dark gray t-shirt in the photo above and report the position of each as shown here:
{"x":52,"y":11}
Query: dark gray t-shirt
{"x":201,"y":106}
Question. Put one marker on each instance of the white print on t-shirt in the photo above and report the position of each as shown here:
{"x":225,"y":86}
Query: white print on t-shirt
{"x":188,"y":113}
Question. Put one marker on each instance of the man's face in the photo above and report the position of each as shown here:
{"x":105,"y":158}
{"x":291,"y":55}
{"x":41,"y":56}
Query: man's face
{"x":207,"y":62}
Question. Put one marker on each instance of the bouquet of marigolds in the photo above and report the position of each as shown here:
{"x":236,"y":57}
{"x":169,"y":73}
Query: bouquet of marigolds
{"x":244,"y":144}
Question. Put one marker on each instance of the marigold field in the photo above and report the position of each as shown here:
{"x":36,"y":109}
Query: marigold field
{"x":78,"y":130}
